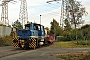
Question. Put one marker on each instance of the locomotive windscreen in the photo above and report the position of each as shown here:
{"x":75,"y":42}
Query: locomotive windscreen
{"x":27,"y":26}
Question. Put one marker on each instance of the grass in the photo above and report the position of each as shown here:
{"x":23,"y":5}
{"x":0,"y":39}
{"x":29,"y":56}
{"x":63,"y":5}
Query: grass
{"x":75,"y":56}
{"x":84,"y":42}
{"x":71,"y":44}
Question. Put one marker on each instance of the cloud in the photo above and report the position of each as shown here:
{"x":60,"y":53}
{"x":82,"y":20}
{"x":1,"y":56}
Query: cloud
{"x":46,"y":17}
{"x":87,"y":22}
{"x":36,"y":2}
{"x":40,"y":7}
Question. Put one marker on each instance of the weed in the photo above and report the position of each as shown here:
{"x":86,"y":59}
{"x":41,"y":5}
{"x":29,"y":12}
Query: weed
{"x":6,"y":41}
{"x":75,"y":56}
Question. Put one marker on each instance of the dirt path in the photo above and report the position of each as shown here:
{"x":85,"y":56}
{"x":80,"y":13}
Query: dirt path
{"x":43,"y":53}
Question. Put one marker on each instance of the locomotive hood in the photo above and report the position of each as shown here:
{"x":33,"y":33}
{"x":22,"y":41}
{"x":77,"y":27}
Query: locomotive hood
{"x":24,"y":33}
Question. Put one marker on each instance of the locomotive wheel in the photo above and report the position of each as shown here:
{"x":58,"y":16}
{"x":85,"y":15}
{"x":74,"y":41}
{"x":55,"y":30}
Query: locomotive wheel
{"x":45,"y":41}
{"x":20,"y":46}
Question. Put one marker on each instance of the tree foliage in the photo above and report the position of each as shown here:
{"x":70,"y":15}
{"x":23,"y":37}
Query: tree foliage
{"x":17,"y":25}
{"x":76,"y":11}
{"x":55,"y":28}
{"x":83,"y":33}
{"x":85,"y":26}
{"x":67,"y":25}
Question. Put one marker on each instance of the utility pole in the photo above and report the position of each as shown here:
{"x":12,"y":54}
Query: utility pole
{"x":64,"y":10}
{"x":53,"y":21}
{"x":4,"y":14}
{"x":40,"y":19}
{"x":23,"y":15}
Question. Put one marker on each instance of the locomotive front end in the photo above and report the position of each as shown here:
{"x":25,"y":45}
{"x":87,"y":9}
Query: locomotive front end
{"x":31,"y":37}
{"x":26,"y":37}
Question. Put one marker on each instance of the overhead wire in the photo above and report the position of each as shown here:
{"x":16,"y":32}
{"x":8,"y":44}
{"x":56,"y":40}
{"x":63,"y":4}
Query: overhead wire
{"x":41,"y":10}
{"x":53,"y":6}
{"x":50,"y":13}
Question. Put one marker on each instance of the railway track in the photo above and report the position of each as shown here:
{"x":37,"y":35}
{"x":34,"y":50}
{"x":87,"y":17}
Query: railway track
{"x":8,"y":51}
{"x":45,"y":53}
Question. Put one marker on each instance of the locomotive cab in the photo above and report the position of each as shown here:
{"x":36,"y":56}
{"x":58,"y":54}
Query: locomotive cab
{"x":32,"y":30}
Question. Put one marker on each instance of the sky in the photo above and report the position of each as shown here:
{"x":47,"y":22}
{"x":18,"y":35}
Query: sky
{"x":47,"y":11}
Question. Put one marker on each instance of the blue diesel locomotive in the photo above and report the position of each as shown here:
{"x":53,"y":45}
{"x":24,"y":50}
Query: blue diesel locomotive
{"x":31,"y":37}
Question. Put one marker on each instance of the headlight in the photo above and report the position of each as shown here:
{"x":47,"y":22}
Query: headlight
{"x":18,"y":36}
{"x":42,"y":39}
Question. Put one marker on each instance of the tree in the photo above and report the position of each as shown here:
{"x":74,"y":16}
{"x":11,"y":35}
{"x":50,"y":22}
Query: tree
{"x":76,"y":11}
{"x":55,"y":28}
{"x":67,"y":25}
{"x":17,"y":25}
{"x":85,"y":26}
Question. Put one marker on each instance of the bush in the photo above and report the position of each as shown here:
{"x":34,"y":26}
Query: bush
{"x":1,"y":42}
{"x":68,"y":38}
{"x":80,"y":35}
{"x":6,"y":41}
{"x":62,"y":38}
{"x":84,"y":42}
{"x":6,"y":44}
{"x":59,"y":38}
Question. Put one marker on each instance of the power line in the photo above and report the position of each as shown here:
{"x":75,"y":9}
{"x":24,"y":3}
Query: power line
{"x":23,"y":16}
{"x":4,"y":14}
{"x":43,"y":9}
{"x":53,"y":13}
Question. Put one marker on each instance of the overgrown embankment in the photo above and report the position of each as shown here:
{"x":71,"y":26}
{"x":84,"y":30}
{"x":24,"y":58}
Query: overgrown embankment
{"x":74,"y":56}
{"x":6,"y":41}
{"x":73,"y":44}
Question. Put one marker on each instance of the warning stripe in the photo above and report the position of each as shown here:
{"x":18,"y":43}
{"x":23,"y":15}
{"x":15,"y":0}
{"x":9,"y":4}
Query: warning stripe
{"x":15,"y":44}
{"x":33,"y":43}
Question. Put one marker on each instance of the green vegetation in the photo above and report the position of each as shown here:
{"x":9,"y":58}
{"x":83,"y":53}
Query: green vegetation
{"x":69,"y":34}
{"x":75,"y":56}
{"x":6,"y":41}
{"x":55,"y":28}
{"x":71,"y":23}
{"x":84,"y":42}
{"x":71,"y":44}
{"x":17,"y":25}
